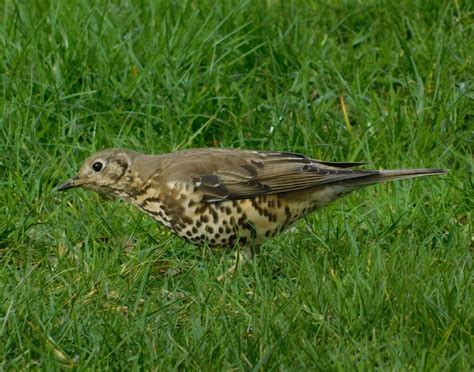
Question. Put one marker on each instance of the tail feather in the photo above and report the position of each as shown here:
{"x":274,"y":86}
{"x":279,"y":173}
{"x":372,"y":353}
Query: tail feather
{"x":390,"y":175}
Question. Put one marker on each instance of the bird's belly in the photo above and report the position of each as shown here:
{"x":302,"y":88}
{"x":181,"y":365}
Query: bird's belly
{"x":246,"y":221}
{"x":226,"y":223}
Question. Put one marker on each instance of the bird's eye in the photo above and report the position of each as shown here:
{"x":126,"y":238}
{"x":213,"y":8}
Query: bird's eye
{"x":97,"y":166}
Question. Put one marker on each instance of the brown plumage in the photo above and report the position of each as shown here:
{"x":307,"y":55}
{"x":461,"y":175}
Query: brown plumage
{"x":222,"y":197}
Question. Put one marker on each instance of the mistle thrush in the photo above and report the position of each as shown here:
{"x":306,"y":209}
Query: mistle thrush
{"x":224,"y":197}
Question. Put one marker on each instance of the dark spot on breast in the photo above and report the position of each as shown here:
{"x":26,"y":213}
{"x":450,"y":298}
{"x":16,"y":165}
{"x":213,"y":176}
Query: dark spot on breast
{"x":288,"y":218}
{"x":204,"y":218}
{"x":247,"y":226}
{"x":242,"y":219}
{"x":209,"y":229}
{"x":202,"y":208}
{"x":194,"y":229}
{"x":256,"y":206}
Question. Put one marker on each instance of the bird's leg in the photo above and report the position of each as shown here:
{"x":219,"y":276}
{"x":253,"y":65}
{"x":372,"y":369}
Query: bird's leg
{"x":244,"y":255}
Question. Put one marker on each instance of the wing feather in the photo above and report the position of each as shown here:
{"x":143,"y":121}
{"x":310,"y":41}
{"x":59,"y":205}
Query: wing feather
{"x":227,"y":174}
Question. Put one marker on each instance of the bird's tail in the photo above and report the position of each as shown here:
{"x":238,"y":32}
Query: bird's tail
{"x":369,"y":178}
{"x":344,"y":183}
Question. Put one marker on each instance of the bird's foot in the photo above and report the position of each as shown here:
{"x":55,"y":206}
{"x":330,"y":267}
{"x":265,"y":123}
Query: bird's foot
{"x":242,"y":257}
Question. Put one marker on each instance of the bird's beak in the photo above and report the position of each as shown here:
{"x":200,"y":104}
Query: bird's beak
{"x":69,"y":184}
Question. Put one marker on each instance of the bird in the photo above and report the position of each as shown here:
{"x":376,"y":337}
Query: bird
{"x":226,"y":197}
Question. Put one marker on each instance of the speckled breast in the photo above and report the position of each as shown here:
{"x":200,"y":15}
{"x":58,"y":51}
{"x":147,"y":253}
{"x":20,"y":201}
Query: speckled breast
{"x":223,"y":224}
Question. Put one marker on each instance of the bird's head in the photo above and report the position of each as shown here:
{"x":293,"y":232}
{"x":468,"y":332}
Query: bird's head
{"x":104,"y":172}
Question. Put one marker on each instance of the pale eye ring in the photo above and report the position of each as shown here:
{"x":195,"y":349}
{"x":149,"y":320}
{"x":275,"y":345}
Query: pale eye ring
{"x":97,"y":166}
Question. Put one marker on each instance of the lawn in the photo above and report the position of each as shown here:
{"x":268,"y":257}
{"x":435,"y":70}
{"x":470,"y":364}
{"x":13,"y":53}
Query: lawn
{"x":382,"y":279}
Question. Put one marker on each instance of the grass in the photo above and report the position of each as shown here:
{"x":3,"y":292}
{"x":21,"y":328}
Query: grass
{"x":380,"y":280}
